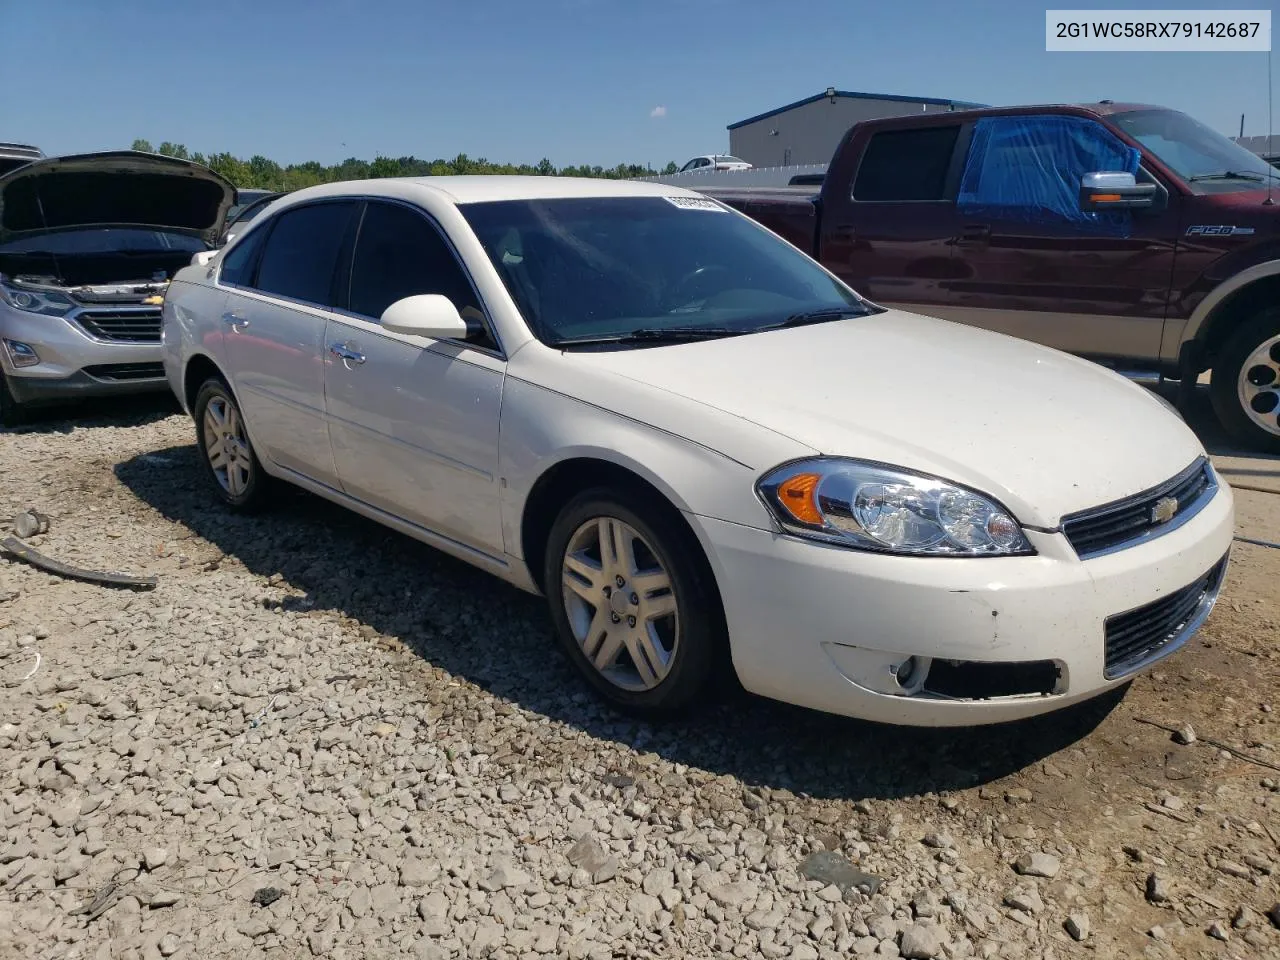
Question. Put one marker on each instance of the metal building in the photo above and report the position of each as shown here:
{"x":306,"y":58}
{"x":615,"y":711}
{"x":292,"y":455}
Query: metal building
{"x":809,"y":130}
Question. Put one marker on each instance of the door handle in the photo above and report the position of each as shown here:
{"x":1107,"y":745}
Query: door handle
{"x":345,"y":353}
{"x":238,"y":322}
{"x":973,"y":235}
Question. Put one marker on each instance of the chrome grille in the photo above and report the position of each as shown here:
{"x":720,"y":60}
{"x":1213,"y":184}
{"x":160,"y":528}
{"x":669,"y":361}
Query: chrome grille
{"x":122,"y":325}
{"x":1136,"y":638}
{"x":1124,"y":522}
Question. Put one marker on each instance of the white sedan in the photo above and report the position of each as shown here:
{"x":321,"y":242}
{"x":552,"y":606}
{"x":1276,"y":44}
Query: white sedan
{"x":705,"y":450}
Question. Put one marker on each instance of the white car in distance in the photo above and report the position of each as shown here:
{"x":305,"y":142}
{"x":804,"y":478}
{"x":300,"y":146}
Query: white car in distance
{"x":714,"y":161}
{"x":704,"y":449}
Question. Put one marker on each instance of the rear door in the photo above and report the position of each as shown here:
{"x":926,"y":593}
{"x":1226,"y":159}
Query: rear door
{"x":413,"y":421}
{"x":890,"y":235}
{"x":1030,"y":263}
{"x":274,"y":340}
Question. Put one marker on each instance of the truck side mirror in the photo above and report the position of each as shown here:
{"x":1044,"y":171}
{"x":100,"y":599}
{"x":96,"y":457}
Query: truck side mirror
{"x":1115,"y":191}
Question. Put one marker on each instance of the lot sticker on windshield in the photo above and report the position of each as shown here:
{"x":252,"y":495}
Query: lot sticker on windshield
{"x":695,"y":203}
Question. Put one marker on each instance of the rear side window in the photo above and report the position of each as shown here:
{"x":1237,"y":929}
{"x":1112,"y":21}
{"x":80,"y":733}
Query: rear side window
{"x":399,"y":253}
{"x":302,"y":250}
{"x":906,"y":165}
{"x":237,"y":265}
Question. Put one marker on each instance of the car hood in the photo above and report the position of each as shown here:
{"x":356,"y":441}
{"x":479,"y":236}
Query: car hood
{"x":1044,"y":432}
{"x":118,"y":189}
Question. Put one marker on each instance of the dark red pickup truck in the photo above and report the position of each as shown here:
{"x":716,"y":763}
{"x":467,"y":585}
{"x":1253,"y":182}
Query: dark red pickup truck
{"x":1129,"y":234}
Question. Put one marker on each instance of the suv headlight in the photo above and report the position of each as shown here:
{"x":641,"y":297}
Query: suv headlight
{"x":36,"y":301}
{"x":871,"y":506}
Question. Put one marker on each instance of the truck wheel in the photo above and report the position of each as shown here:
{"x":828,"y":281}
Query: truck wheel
{"x":11,"y":414}
{"x":1245,"y":385}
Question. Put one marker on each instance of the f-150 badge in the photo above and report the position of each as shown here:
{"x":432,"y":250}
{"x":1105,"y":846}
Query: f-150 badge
{"x":1220,"y":230}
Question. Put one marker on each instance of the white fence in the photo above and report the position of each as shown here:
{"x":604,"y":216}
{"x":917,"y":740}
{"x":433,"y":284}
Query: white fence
{"x":755,"y":177}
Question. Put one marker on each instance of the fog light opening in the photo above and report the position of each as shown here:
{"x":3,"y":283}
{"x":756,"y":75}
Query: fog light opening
{"x":21,"y":354}
{"x":910,"y":674}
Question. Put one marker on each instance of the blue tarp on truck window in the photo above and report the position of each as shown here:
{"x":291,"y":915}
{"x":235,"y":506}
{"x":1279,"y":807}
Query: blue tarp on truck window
{"x":1029,"y":169}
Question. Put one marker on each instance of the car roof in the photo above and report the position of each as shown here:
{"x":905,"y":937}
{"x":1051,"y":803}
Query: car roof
{"x":481,"y":189}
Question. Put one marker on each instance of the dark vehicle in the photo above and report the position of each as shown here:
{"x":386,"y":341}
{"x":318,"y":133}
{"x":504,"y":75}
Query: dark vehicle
{"x":1132,"y":235}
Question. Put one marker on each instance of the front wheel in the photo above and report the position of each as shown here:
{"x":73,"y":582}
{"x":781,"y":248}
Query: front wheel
{"x":1245,"y":385}
{"x":225,"y":451}
{"x":633,"y":602}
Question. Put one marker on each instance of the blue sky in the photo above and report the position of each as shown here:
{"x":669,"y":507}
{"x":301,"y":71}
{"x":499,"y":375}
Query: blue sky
{"x":578,"y":81}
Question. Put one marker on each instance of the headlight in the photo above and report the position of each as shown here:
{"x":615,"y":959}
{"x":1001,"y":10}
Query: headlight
{"x":871,"y":506}
{"x":36,"y":301}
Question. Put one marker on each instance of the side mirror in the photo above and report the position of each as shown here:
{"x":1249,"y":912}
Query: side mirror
{"x":1115,"y":191}
{"x":426,"y":315}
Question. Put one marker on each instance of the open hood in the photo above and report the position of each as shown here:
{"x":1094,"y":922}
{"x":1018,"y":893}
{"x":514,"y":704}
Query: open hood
{"x":122,"y":188}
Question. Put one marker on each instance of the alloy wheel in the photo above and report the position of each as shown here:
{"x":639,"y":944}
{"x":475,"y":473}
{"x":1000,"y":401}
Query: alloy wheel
{"x":1259,"y":385}
{"x":227,"y":446}
{"x":621,"y":604}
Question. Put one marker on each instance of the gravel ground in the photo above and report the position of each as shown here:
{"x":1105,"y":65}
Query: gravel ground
{"x":316,"y":737}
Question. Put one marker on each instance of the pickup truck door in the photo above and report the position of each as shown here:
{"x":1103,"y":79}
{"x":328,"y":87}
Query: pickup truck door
{"x":414,"y":422}
{"x":1070,"y":285}
{"x":889,"y":217}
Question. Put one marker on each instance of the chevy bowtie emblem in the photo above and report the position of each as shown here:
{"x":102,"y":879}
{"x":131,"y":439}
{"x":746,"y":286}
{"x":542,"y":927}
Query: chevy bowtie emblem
{"x":1164,"y":509}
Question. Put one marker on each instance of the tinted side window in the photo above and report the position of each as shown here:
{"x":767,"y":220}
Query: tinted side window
{"x":238,"y":264}
{"x":906,"y":165}
{"x":302,"y":251}
{"x":399,"y":253}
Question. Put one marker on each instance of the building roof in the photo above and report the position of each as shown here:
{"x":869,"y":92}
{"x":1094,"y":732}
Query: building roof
{"x":958,"y":104}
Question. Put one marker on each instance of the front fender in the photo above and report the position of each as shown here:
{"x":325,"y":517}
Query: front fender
{"x":542,"y":428}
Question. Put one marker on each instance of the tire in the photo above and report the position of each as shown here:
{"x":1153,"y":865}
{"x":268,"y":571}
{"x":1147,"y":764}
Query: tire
{"x":239,"y":482}
{"x":12,"y":413}
{"x":1245,"y":385}
{"x":686,"y":648}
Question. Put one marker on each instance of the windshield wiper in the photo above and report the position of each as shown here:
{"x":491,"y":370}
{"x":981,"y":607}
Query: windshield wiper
{"x":816,"y":316}
{"x":1230,"y":175}
{"x":657,"y":335}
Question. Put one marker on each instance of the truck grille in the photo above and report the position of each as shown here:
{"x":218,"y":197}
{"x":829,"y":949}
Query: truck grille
{"x":122,"y":325}
{"x":1135,"y":518}
{"x":1140,"y":636}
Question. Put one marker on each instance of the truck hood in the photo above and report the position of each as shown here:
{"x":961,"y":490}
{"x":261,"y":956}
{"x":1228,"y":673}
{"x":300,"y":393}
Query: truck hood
{"x":1044,"y":432}
{"x":117,"y":189}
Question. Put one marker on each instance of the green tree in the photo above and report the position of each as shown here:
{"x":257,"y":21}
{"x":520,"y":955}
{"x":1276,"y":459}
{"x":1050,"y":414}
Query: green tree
{"x":143,"y":146}
{"x":670,"y":168}
{"x":173,"y":150}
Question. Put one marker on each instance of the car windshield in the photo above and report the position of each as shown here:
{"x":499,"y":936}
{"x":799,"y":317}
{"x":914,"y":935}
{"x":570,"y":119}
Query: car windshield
{"x":603,"y":268}
{"x":1199,"y":155}
{"x":93,"y":240}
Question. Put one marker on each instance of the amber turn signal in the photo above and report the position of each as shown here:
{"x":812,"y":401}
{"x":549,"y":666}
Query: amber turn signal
{"x":799,"y":496}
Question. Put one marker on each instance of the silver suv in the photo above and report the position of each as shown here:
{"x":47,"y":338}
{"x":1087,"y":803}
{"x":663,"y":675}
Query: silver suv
{"x":87,"y":246}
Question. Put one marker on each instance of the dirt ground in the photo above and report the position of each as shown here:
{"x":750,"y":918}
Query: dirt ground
{"x":312,"y":705}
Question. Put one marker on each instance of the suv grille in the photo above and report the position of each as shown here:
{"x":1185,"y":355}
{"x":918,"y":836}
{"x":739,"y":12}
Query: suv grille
{"x":1118,"y":524}
{"x":126,"y":371}
{"x":1140,"y":636}
{"x":131,"y":325}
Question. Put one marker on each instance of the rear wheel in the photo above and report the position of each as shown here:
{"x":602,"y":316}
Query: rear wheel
{"x":633,"y":602}
{"x":1245,"y":385}
{"x":225,"y":450}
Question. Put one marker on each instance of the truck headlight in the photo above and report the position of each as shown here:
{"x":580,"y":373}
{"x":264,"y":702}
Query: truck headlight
{"x":36,"y":301}
{"x":872,"y":506}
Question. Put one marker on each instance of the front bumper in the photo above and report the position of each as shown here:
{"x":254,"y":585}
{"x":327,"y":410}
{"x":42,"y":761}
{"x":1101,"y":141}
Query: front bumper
{"x":826,"y":627}
{"x":74,"y":364}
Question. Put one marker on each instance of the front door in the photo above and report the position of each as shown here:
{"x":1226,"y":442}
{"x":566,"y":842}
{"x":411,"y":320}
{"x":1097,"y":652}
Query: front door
{"x":274,"y":321}
{"x":1030,"y":263}
{"x":414,"y":422}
